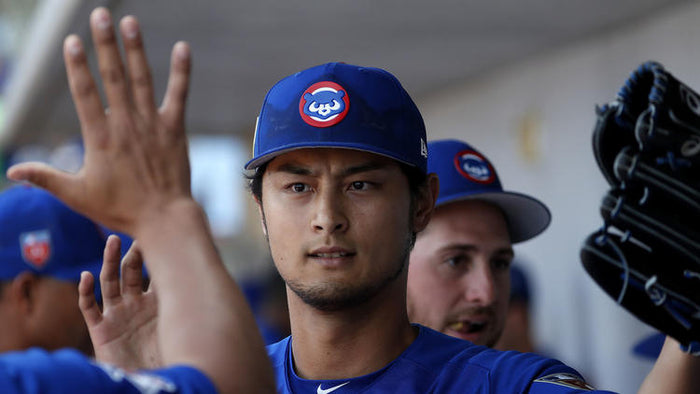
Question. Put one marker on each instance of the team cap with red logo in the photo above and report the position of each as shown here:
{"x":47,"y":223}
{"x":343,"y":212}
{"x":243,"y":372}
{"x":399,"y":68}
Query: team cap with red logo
{"x":465,"y":173}
{"x":338,"y":105}
{"x":38,"y":233}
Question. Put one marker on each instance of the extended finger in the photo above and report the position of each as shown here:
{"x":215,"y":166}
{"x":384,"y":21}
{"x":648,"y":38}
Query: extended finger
{"x":86,"y":98}
{"x":63,"y":185}
{"x":132,"y":271}
{"x":86,"y":299}
{"x":109,"y":275}
{"x":173,"y":107}
{"x":140,"y":78}
{"x":109,"y":60}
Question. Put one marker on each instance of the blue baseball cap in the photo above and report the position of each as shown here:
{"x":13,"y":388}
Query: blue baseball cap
{"x":40,"y":234}
{"x":466,"y":174}
{"x":339,"y":105}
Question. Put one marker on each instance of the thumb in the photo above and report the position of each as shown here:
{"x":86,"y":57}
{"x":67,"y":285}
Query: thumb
{"x":59,"y":183}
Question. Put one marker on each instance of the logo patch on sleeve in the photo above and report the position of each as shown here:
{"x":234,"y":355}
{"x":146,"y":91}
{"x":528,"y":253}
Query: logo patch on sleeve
{"x":324,"y":104}
{"x":566,"y":380}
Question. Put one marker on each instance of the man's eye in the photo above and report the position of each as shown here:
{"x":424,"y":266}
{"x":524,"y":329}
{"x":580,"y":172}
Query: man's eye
{"x":359,"y":185}
{"x":456,"y":261}
{"x":299,"y":187}
{"x":501,"y":264}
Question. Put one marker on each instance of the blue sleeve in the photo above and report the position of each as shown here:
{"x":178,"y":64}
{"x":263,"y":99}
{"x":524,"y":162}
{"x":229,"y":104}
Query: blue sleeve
{"x":67,"y":371}
{"x":513,"y":372}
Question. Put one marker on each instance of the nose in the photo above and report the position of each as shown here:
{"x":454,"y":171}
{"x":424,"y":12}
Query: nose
{"x":329,"y":215}
{"x":479,"y":286}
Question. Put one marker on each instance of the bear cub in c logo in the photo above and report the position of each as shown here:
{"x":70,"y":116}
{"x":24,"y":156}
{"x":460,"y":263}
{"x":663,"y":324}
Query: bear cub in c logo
{"x":474,"y":167}
{"x":324,"y":104}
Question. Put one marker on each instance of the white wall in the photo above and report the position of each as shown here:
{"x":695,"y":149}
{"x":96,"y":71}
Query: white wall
{"x":551,"y":99}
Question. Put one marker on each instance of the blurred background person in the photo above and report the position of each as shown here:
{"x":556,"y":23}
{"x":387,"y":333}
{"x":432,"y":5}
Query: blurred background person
{"x":517,"y":333}
{"x":44,"y":246}
{"x":459,"y":270}
{"x":267,"y":297}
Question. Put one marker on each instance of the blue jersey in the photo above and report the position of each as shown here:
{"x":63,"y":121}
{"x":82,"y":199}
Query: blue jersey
{"x":437,"y":363}
{"x":67,"y":371}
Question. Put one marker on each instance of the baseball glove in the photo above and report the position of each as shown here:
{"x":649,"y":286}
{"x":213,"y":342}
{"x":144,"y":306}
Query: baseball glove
{"x":647,"y":254}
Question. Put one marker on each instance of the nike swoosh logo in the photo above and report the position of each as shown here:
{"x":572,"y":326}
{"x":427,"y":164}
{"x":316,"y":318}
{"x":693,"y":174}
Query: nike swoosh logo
{"x":319,"y":390}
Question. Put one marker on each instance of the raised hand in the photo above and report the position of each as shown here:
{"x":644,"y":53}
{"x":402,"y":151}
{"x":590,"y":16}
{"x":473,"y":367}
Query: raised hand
{"x":124,"y":332}
{"x":135,"y":179}
{"x":136,"y":154}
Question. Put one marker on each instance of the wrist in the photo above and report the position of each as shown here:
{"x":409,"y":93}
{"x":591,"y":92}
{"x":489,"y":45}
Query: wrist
{"x":167,"y":217}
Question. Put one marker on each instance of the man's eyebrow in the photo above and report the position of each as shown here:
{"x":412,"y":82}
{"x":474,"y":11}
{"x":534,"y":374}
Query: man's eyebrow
{"x":470,"y":247}
{"x":294,"y":169}
{"x":366,"y":167}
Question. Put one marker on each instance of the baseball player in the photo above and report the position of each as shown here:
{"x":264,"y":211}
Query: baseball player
{"x":44,"y":246}
{"x":459,"y":278}
{"x":135,"y":179}
{"x":459,"y":274}
{"x":340,"y":176}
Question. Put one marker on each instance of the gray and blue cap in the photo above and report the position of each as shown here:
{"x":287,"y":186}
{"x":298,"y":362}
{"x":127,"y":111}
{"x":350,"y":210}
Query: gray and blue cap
{"x":466,"y":173}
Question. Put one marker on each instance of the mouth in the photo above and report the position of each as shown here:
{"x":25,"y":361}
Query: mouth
{"x":465,"y":327}
{"x":330,"y":255}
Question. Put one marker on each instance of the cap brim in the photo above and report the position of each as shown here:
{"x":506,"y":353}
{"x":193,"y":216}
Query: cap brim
{"x":258,"y":161}
{"x":526,"y":216}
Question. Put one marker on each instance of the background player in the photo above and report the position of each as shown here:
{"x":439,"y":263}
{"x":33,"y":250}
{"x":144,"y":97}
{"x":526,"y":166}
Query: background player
{"x":136,"y":180}
{"x":459,"y":274}
{"x":459,"y":277}
{"x":44,"y":246}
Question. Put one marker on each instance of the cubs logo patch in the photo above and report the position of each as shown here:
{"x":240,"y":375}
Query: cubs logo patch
{"x":36,"y":247}
{"x":474,"y":166}
{"x":566,"y":380}
{"x":324,"y":104}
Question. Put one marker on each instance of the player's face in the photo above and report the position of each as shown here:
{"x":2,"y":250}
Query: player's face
{"x":458,"y":277}
{"x":338,"y":222}
{"x":57,"y":320}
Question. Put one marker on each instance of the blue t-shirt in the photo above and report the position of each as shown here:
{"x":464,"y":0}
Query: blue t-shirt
{"x":68,"y":371}
{"x":437,"y":363}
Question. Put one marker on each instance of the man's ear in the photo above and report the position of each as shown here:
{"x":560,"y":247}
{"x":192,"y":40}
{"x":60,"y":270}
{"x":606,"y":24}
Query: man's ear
{"x":425,"y":205}
{"x":22,"y":291}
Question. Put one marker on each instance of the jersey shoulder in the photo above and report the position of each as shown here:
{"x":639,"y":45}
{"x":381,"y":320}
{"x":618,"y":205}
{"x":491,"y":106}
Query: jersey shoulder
{"x":461,"y":364}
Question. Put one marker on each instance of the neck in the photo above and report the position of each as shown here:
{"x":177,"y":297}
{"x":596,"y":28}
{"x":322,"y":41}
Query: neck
{"x":350,"y":342}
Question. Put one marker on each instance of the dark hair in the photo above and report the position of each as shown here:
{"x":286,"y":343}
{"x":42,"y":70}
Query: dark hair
{"x":254,"y":178}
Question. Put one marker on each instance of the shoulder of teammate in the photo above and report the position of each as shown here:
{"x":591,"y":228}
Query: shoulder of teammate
{"x":531,"y":373}
{"x":39,"y":371}
{"x":504,"y":372}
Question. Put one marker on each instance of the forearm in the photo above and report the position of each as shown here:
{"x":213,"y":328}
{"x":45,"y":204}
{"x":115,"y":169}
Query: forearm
{"x":200,"y":330}
{"x":674,"y":372}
